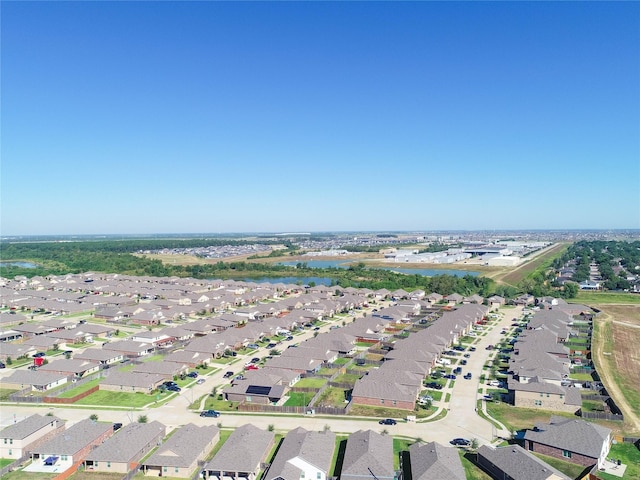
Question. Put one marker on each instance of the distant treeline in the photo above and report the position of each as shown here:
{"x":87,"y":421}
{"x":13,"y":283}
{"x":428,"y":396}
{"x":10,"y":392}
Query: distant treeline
{"x":116,"y":257}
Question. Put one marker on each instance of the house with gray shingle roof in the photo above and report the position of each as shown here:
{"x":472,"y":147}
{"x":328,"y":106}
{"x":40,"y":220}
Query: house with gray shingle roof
{"x":514,"y":462}
{"x":241,"y":455}
{"x":303,"y":455}
{"x":19,"y":438}
{"x":132,"y":382}
{"x":432,"y":461}
{"x":75,"y":443}
{"x":572,"y":440}
{"x":122,"y":451}
{"x":38,"y":381}
{"x":368,"y":454}
{"x":180,"y":454}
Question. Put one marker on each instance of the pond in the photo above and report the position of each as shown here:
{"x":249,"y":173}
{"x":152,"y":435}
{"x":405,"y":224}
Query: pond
{"x":18,"y":264}
{"x":427,"y":272}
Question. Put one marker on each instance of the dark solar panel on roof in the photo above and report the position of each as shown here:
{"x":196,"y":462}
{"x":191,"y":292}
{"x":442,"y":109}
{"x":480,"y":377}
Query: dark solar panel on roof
{"x":258,"y":390}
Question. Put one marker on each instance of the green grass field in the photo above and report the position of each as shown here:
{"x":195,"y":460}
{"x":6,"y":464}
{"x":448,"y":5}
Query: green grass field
{"x":311,"y":382}
{"x":120,"y":399}
{"x":298,"y":399}
{"x":606,"y":298}
{"x":569,"y":469}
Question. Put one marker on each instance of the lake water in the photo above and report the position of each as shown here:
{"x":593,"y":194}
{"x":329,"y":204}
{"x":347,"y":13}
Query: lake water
{"x":427,"y":272}
{"x":19,"y":264}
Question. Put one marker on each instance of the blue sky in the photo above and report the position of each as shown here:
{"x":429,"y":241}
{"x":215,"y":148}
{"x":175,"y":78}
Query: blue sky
{"x":150,"y":117}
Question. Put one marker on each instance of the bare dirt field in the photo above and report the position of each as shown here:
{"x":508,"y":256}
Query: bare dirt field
{"x":617,"y":358}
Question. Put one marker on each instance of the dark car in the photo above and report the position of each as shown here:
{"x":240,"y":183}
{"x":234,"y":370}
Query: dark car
{"x":459,"y":348}
{"x":463,"y":362}
{"x":467,"y":355}
{"x":117,"y":426}
{"x":472,"y":349}
{"x":192,"y":374}
{"x":210,"y":413}
{"x":228,"y":374}
{"x":272,"y":345}
{"x":2,"y":365}
{"x":174,"y":388}
{"x":387,"y":421}
{"x":255,"y":360}
{"x":461,"y":442}
{"x":169,"y":383}
{"x":39,"y":354}
{"x":450,"y":376}
{"x":434,"y":385}
{"x":289,"y":338}
{"x":467,"y":376}
{"x":457,"y":371}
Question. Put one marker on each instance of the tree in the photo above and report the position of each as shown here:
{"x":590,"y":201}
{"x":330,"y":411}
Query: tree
{"x":143,"y":419}
{"x":474,"y":444}
{"x":93,"y":417}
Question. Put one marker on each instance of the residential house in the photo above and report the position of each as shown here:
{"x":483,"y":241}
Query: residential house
{"x":368,"y":454}
{"x":572,"y":440}
{"x":18,"y":439}
{"x":432,"y":461}
{"x":37,"y":381}
{"x":242,"y":455}
{"x":75,"y":443}
{"x":303,"y":455}
{"x":122,"y":452}
{"x":132,"y":382}
{"x":74,"y":368}
{"x":513,"y":462}
{"x":180,"y":454}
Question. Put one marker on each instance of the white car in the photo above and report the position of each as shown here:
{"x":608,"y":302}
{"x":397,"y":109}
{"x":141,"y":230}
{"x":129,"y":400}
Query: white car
{"x":495,"y":383}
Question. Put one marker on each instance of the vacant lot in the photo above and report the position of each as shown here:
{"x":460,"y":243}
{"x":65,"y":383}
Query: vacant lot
{"x":617,"y":357}
{"x":541,"y":261}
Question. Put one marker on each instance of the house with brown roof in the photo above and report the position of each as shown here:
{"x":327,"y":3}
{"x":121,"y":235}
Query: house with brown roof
{"x":180,"y":455}
{"x":36,"y":380}
{"x":18,"y":439}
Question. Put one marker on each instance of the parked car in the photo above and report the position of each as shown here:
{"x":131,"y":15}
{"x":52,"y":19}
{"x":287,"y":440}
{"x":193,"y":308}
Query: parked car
{"x":467,"y":355}
{"x":467,"y":376}
{"x":387,"y":421}
{"x":2,"y":365}
{"x":289,"y":338}
{"x":255,"y":346}
{"x":271,"y":345}
{"x":192,"y":374}
{"x":460,"y":442}
{"x":39,"y":354}
{"x":457,"y":370}
{"x":489,"y":347}
{"x":472,"y":349}
{"x":495,"y":383}
{"x":459,"y":348}
{"x":228,"y":374}
{"x":174,"y":388}
{"x":463,"y":362}
{"x":450,"y":377}
{"x":200,"y":381}
{"x":209,"y":413}
{"x":117,"y":426}
{"x":251,"y":366}
{"x":434,"y":385}
{"x":170,"y":383}
{"x":255,"y":360}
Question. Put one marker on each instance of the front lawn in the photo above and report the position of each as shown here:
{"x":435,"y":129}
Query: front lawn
{"x":120,"y":399}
